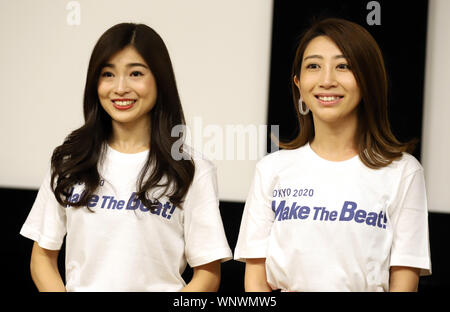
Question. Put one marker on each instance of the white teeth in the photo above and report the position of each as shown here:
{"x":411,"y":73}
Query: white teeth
{"x":124,"y":103}
{"x":328,"y":98}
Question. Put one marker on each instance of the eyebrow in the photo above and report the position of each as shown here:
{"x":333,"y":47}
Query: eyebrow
{"x":128,"y":65}
{"x":321,"y":57}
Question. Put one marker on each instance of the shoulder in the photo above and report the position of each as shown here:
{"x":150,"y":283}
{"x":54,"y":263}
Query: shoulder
{"x":407,"y":164}
{"x":403,"y":169}
{"x":281,"y":159}
{"x":202,"y":164}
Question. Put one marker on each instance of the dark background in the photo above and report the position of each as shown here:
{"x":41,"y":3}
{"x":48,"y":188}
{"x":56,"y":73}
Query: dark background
{"x":402,"y":38}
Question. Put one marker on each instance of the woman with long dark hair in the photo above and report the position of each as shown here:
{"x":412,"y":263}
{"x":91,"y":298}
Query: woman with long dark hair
{"x":343,"y":206}
{"x":132,"y":215}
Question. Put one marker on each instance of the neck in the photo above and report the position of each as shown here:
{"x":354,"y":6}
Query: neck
{"x":131,"y":137}
{"x":335,"y":142}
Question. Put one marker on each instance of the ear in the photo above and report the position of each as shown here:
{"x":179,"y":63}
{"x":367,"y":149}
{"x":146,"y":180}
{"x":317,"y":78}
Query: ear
{"x":296,"y":81}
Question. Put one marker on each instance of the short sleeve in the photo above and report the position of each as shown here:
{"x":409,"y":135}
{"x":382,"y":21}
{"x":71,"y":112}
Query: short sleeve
{"x":205,"y":239}
{"x":410,"y":246}
{"x":257,"y":219}
{"x":46,"y":222}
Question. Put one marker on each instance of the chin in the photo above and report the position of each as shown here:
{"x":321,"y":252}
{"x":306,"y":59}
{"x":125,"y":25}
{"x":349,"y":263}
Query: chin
{"x":333,"y":115}
{"x":123,"y":119}
{"x":329,"y":118}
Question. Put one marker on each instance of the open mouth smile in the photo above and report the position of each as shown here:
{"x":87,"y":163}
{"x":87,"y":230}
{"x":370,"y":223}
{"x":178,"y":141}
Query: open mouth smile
{"x":329,"y":100}
{"x":123,"y":104}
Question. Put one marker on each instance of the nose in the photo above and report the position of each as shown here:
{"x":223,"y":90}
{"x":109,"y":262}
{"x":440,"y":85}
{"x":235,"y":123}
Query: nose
{"x":121,"y":86}
{"x":328,"y":78}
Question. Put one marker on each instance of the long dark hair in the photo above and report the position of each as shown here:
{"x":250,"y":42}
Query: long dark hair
{"x":75,"y":161}
{"x":377,"y":145}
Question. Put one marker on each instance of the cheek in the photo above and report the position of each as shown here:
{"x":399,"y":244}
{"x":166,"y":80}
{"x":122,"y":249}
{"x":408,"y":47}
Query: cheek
{"x":353,"y":89}
{"x":102,"y":90}
{"x":146,"y":89}
{"x":307,"y":82}
{"x":349,"y":83}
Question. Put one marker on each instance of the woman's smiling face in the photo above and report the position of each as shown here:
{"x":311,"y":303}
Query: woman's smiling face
{"x":127,"y":88}
{"x":327,"y":83}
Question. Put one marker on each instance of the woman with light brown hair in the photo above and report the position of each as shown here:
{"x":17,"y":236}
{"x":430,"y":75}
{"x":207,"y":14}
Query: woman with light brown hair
{"x":343,"y":206}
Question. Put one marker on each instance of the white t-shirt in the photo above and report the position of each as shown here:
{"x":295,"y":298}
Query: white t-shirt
{"x":122,"y":246}
{"x":334,"y":226}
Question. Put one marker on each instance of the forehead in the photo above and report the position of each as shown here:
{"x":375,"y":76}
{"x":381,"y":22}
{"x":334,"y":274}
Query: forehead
{"x":127,"y":55}
{"x":322,"y":46}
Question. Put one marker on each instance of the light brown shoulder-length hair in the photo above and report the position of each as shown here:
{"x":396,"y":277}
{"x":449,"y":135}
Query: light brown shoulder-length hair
{"x":377,"y":146}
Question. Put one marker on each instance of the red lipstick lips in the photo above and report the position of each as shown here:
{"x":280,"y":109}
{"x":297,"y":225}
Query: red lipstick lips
{"x":123,"y":104}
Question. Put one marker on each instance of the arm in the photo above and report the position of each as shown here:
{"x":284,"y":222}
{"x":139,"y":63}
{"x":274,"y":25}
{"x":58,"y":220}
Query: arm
{"x":403,"y":279}
{"x":255,"y":275}
{"x":44,"y":269}
{"x":205,"y":278}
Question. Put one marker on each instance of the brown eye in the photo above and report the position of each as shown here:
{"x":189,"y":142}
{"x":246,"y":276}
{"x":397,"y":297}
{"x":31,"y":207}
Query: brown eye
{"x":343,"y":66}
{"x":107,"y":74}
{"x":312,"y":66}
{"x":136,"y":73}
